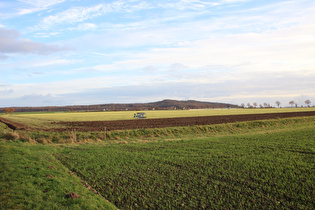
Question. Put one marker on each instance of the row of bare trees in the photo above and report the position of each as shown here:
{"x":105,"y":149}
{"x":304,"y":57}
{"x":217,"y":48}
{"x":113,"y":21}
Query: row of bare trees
{"x":278,"y":103}
{"x":307,"y":103}
{"x":255,"y":105}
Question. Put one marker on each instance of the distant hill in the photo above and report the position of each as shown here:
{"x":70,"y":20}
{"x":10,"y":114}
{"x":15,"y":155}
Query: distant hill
{"x":165,"y":104}
{"x":190,"y":104}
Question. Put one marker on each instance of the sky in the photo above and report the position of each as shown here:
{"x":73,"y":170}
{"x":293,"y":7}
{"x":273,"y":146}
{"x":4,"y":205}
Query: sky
{"x":82,"y":52}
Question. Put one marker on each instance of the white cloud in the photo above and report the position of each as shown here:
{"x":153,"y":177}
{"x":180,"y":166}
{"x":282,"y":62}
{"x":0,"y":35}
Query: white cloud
{"x":86,"y":27}
{"x":15,"y":8}
{"x":176,"y":30}
{"x":292,"y":48}
{"x":3,"y":57}
{"x":55,"y":62}
{"x":253,"y":53}
{"x":196,"y":4}
{"x":104,"y":90}
{"x":11,"y":43}
{"x":44,"y":62}
{"x":41,"y":3}
{"x":37,"y":5}
{"x":75,"y":15}
{"x":185,"y":4}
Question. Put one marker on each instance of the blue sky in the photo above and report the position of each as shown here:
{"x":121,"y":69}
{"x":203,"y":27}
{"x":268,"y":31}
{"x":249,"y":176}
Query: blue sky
{"x":73,"y":52}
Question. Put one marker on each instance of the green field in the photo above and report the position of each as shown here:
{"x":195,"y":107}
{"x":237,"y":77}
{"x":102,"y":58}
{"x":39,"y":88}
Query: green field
{"x":267,"y":164}
{"x":249,"y":171}
{"x":25,"y":182}
{"x":44,"y":120}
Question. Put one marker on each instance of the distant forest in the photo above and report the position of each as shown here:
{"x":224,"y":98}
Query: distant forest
{"x":160,"y":105}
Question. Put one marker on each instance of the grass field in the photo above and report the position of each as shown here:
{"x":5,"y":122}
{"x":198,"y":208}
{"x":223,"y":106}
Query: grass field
{"x":262,"y":164}
{"x":248,"y":171}
{"x":43,"y":120}
{"x":32,"y":178}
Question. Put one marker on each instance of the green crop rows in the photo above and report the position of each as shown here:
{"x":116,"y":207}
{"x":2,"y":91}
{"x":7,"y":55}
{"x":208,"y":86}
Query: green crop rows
{"x":32,"y":178}
{"x":273,"y":170}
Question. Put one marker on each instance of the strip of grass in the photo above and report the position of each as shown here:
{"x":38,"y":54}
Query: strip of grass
{"x":274,"y":170}
{"x":31,"y":178}
{"x":202,"y":131}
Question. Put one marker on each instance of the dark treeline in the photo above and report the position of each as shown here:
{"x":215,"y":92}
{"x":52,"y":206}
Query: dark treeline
{"x":160,"y":105}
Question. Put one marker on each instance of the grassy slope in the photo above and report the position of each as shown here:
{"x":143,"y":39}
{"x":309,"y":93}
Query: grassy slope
{"x":24,"y":184}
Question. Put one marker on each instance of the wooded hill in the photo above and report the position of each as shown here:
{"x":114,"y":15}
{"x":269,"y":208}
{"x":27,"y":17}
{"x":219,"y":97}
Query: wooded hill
{"x":165,"y":104}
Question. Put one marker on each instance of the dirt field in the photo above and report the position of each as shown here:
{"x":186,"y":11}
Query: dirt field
{"x":158,"y":123}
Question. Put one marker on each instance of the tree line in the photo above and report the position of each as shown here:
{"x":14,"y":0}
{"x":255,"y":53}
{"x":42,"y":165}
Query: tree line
{"x":278,"y":103}
{"x":161,"y":105}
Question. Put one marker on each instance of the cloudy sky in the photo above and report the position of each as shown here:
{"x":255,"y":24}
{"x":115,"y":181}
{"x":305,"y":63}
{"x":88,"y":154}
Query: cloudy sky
{"x":72,"y":52}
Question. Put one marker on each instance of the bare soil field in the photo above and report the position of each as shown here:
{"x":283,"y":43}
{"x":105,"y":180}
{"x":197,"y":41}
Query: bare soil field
{"x":85,"y":126}
{"x":14,"y":125}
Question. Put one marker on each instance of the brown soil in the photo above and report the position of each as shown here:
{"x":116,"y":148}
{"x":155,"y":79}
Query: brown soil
{"x":174,"y":122}
{"x":159,"y":123}
{"x":72,"y":195}
{"x":13,"y":125}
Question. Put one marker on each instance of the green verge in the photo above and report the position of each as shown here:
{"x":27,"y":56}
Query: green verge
{"x":32,"y":178}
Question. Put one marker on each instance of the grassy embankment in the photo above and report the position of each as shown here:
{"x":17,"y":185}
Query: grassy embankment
{"x":147,"y":135}
{"x":262,"y":164}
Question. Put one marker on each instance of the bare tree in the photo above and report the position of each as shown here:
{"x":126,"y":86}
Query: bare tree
{"x":255,"y":104}
{"x":265,"y":105}
{"x":307,"y":102}
{"x":278,"y":103}
{"x":291,"y":103}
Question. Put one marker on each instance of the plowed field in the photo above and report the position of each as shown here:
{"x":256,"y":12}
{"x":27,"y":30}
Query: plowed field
{"x":158,"y":123}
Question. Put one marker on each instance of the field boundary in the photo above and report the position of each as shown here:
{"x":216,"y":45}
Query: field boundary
{"x":86,"y":126}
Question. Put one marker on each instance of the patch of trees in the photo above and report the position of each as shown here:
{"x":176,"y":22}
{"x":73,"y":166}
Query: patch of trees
{"x":8,"y":110}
